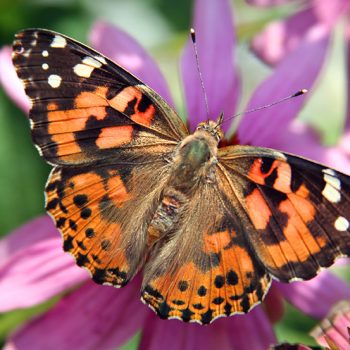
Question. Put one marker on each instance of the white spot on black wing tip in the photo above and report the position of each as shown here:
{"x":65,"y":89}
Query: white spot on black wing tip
{"x":332,"y":188}
{"x":87,"y":66}
{"x":59,"y":42}
{"x":341,"y":224}
{"x":54,"y":80}
{"x":45,"y":66}
{"x":101,"y":59}
{"x":27,"y":53}
{"x":45,"y":53}
{"x":329,"y":171}
{"x":31,"y":124}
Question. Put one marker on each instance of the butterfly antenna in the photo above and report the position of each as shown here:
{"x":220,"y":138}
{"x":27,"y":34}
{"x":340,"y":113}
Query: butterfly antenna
{"x":296,"y":94}
{"x":193,"y":38}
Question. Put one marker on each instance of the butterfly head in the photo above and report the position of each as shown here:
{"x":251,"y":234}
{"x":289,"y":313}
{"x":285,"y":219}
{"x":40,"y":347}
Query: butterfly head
{"x":213,"y":128}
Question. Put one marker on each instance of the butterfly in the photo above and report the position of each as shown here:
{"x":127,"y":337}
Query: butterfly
{"x":131,"y":189}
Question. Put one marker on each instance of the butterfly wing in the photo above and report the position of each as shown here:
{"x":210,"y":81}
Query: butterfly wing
{"x":109,"y":136}
{"x":295,"y":212}
{"x":206,"y":268}
{"x":85,"y":107}
{"x":103,"y":213}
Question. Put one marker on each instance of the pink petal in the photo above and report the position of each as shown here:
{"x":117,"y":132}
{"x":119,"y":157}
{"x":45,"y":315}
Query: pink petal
{"x":266,"y":3}
{"x":173,"y":335}
{"x":280,"y":38}
{"x":334,"y":327}
{"x":126,"y":51}
{"x":92,"y":317}
{"x":10,"y":82}
{"x":214,"y":28}
{"x":301,"y":140}
{"x":298,"y":71}
{"x":19,"y":239}
{"x":317,"y":296}
{"x":251,"y":331}
{"x":37,"y":269}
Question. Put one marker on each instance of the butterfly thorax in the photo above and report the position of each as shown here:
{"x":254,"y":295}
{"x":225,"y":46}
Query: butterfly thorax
{"x":193,"y":164}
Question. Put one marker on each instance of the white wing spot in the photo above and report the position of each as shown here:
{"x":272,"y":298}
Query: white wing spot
{"x":90,"y":61}
{"x":27,"y":53}
{"x":33,"y":43}
{"x":85,"y":69}
{"x":45,"y":66}
{"x":54,"y":80}
{"x":341,"y":224}
{"x":45,"y":53}
{"x":331,"y":193}
{"x":101,"y":59}
{"x":59,"y":42}
{"x":332,"y":188}
{"x":329,"y":171}
{"x":334,"y":181}
{"x":82,"y":70}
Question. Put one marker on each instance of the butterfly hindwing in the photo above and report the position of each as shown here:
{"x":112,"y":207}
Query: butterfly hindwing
{"x":103,"y":213}
{"x":84,"y":106}
{"x":295,"y":211}
{"x":205,"y":269}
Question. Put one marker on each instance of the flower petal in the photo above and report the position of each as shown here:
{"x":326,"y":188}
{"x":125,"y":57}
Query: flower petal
{"x":300,"y":139}
{"x":216,"y":43}
{"x":10,"y":82}
{"x":37,"y":268}
{"x":266,"y":3}
{"x":280,"y":38}
{"x":173,"y":335}
{"x":126,"y":51}
{"x":30,"y":233}
{"x":328,"y":288}
{"x":334,"y":328}
{"x":251,"y":331}
{"x":298,"y":71}
{"x":91,"y":317}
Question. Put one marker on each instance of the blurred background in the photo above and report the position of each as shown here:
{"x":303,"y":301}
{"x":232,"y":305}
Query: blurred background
{"x":162,"y":27}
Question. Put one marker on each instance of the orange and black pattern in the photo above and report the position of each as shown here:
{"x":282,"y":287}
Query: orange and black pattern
{"x":132,"y":190}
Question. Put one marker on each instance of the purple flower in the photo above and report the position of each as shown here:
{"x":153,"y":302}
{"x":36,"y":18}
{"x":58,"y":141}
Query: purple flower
{"x":33,"y":267}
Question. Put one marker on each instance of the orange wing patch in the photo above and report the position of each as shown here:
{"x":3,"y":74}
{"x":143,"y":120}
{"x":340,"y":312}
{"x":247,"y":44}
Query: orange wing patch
{"x":135,"y":104}
{"x":264,"y":169}
{"x":114,"y":136}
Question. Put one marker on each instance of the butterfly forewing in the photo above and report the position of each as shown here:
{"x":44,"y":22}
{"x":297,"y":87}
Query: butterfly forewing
{"x":296,"y":211}
{"x":84,"y":106}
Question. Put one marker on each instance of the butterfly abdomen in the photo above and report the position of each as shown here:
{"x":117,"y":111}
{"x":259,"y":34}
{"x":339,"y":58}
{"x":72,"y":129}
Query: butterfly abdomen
{"x":167,"y":215}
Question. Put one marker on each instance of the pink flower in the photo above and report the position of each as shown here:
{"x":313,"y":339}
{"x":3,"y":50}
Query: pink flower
{"x":33,"y":267}
{"x":282,"y":37}
{"x":332,"y":332}
{"x":334,"y":329}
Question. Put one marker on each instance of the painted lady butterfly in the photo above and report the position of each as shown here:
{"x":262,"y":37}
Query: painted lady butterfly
{"x":131,"y":189}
